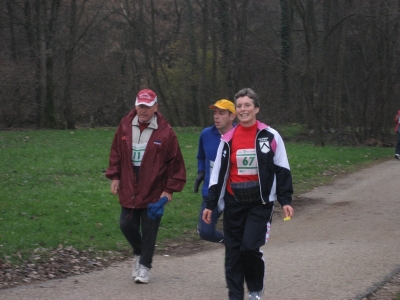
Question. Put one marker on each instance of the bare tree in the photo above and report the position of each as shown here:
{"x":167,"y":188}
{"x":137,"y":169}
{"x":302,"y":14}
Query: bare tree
{"x":332,"y":65}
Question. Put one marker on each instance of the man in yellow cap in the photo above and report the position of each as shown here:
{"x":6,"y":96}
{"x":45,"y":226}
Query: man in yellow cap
{"x":224,"y":114}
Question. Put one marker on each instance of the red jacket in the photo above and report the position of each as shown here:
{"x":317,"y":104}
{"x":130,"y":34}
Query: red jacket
{"x":396,"y":120}
{"x":162,"y":168}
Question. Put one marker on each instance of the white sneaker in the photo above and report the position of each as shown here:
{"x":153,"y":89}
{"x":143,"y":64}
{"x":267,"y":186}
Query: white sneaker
{"x":255,"y":295}
{"x":397,"y":156}
{"x":143,"y":276}
{"x":136,"y":267}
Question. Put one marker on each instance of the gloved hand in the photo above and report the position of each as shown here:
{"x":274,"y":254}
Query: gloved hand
{"x":199,"y":179}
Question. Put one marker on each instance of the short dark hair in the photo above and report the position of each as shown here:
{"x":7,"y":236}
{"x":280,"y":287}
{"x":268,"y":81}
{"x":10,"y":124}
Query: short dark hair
{"x":249,"y":93}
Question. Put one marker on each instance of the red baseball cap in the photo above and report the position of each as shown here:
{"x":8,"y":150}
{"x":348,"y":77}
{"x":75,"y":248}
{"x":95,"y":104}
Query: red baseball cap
{"x":146,"y":97}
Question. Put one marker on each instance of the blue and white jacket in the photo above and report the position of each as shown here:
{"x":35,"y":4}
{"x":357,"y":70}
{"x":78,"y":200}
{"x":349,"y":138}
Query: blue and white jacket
{"x":273,"y":169}
{"x":207,"y":151}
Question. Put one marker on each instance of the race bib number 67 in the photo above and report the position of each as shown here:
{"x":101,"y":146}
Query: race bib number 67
{"x":246,"y":162}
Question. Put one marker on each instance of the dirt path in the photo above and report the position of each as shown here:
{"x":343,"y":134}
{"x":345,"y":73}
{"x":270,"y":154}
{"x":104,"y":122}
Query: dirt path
{"x":343,"y":243}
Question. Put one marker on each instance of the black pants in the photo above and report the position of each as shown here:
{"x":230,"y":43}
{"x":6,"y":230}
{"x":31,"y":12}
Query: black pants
{"x":141,"y":232}
{"x":398,"y":144}
{"x":246,"y":228}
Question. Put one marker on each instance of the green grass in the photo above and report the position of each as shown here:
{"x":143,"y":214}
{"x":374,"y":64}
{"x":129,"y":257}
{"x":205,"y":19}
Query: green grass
{"x":53,"y":190}
{"x":313,"y":166}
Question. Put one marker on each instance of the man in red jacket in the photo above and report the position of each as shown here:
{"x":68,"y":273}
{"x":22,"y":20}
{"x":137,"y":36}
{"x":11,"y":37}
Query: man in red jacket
{"x":397,"y":130}
{"x":145,"y":165}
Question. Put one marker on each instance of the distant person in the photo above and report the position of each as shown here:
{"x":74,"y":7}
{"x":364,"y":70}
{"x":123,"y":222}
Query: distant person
{"x":224,"y":114}
{"x":397,"y":130}
{"x":250,"y":172}
{"x":145,"y":165}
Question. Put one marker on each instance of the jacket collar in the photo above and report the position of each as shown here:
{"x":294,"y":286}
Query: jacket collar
{"x":227,"y":137}
{"x":153,"y":123}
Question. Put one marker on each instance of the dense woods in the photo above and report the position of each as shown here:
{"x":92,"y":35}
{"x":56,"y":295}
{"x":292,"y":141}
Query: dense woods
{"x":331,"y":65}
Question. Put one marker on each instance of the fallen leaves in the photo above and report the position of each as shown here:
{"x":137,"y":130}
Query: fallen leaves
{"x":45,"y":264}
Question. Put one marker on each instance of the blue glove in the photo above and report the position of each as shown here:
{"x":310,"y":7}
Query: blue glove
{"x":156,"y":210}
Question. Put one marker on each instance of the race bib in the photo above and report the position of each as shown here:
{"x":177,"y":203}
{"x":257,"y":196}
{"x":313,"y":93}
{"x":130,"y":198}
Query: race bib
{"x":137,"y":153}
{"x":246,"y":161}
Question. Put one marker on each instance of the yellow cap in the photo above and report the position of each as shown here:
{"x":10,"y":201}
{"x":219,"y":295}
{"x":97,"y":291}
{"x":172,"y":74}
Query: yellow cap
{"x":224,"y":104}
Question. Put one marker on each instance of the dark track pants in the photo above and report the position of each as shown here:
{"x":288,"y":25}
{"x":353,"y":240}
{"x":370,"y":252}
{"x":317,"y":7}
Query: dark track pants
{"x":141,"y":232}
{"x":246,"y":229}
{"x":398,"y":144}
{"x":206,"y":231}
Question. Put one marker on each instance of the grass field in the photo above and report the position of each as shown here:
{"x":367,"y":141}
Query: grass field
{"x":53,"y":190}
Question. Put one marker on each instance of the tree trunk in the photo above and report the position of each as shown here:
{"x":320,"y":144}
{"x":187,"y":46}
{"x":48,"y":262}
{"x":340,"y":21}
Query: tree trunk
{"x":50,"y":113}
{"x":41,"y":62}
{"x":193,"y":108}
{"x":13,"y":48}
{"x":202,"y":98}
{"x":225,"y":33}
{"x":285,"y":53}
{"x":69,"y":60}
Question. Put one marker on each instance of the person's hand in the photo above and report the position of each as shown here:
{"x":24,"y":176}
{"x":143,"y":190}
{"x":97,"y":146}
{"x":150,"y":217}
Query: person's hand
{"x":168,"y":195}
{"x":199,"y":179}
{"x":115,"y":186}
{"x":288,"y":211}
{"x":207,"y":216}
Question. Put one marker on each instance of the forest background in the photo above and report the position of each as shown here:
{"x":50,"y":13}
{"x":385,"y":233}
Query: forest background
{"x":330,"y":65}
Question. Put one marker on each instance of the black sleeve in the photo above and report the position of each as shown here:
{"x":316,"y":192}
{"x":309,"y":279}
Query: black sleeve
{"x":212,"y":201}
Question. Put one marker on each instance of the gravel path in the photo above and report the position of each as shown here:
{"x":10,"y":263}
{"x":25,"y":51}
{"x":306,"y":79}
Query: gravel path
{"x":343,"y":243}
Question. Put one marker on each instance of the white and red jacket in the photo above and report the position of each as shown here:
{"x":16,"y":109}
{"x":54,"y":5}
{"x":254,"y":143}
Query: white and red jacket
{"x":273,"y":169}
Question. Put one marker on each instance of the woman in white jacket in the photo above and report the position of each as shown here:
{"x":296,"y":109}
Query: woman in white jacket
{"x":250,"y":172}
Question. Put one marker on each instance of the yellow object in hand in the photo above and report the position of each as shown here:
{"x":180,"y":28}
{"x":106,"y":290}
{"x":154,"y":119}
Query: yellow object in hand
{"x":287,"y":219}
